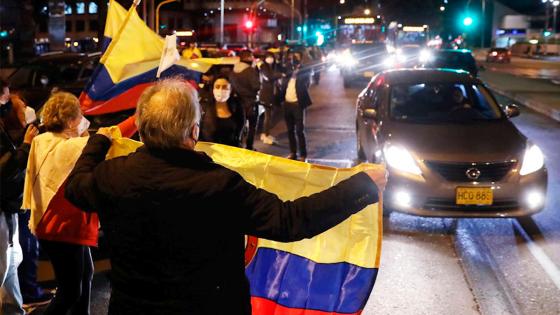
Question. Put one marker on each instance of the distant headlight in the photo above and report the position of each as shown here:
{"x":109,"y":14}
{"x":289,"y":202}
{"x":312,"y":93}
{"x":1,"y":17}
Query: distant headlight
{"x":533,"y":160}
{"x":390,"y":61}
{"x":348,"y":61}
{"x":425,"y":56}
{"x":399,"y":158}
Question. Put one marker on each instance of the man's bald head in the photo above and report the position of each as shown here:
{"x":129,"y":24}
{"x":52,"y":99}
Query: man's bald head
{"x":166,"y":113}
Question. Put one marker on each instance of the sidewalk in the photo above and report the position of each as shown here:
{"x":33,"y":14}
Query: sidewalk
{"x":539,"y":95}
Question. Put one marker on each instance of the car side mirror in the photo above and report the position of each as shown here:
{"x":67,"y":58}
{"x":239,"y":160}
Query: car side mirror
{"x":512,"y":111}
{"x":369,"y":113}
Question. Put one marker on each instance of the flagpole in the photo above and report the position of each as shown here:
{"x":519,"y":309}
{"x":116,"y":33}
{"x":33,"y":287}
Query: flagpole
{"x":115,"y":39}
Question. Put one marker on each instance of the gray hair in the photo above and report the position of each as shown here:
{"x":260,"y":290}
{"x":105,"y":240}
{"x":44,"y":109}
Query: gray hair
{"x":166,"y":113}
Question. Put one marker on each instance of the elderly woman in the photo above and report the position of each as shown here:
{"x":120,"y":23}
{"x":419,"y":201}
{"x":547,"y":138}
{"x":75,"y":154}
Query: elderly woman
{"x":175,"y":221}
{"x":64,"y":232}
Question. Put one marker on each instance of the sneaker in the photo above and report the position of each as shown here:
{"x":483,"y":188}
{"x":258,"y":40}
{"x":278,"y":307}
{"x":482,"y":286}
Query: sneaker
{"x":291,"y":156}
{"x":263,"y":137}
{"x":302,"y":158}
{"x":269,"y":140}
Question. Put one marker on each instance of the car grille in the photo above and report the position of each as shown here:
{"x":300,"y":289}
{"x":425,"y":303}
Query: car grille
{"x":457,"y":172}
{"x":449,"y":204}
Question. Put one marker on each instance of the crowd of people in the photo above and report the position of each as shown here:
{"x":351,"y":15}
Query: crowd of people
{"x":231,"y":102}
{"x":153,"y":205}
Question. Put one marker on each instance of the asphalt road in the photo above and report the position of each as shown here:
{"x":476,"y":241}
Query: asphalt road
{"x":439,"y":266}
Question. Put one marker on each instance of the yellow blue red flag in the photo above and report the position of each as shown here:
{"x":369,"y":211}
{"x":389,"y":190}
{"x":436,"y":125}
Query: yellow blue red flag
{"x":116,"y":15}
{"x":332,"y":273}
{"x":128,"y":65}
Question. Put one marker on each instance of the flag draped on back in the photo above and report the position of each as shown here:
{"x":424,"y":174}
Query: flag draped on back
{"x":128,"y":65}
{"x":332,"y":273}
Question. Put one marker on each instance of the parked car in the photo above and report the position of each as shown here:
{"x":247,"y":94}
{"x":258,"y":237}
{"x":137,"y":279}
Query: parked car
{"x":459,"y":59}
{"x":451,"y":150}
{"x":63,"y":71}
{"x":499,"y":55}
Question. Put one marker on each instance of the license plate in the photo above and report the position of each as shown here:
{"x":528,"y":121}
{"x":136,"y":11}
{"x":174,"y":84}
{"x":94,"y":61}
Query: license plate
{"x":474,"y":196}
{"x":368,"y":74}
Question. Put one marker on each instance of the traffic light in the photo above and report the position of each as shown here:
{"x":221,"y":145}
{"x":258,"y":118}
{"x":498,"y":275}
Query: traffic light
{"x":467,"y":21}
{"x":249,"y":26}
{"x":3,"y":34}
{"x":547,"y":33}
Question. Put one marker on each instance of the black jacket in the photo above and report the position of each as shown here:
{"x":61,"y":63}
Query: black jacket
{"x":269,"y":78}
{"x":303,"y":80}
{"x":13,"y":162}
{"x":245,"y":84}
{"x":175,"y":225}
{"x":209,"y":123}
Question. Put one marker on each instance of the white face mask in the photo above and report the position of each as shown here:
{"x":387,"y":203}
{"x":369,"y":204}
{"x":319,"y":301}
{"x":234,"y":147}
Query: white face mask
{"x":269,"y":60}
{"x":221,"y":95}
{"x":83,"y":126}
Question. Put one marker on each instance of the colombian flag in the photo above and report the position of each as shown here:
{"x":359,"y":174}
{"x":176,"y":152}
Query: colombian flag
{"x":128,"y":65}
{"x":332,"y":273}
{"x":115,"y":17}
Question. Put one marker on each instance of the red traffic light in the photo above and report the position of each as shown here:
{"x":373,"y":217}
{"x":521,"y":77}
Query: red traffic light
{"x":249,"y":24}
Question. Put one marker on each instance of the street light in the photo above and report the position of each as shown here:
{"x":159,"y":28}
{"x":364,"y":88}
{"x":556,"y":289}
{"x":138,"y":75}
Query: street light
{"x":157,"y":12}
{"x":442,"y":8}
{"x":367,"y":12}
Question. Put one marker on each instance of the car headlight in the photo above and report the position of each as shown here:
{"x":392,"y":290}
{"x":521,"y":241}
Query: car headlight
{"x":399,"y":158}
{"x":425,"y":56}
{"x":533,"y":160}
{"x":349,"y":61}
{"x":390,"y":61}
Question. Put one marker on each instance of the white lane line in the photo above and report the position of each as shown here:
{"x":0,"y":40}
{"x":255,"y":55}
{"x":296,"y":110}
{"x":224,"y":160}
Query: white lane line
{"x":546,"y":263}
{"x":332,"y":162}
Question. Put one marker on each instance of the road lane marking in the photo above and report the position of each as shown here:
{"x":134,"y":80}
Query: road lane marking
{"x":546,"y":263}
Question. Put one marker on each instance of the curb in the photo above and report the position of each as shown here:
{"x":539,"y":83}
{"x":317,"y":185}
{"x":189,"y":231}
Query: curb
{"x":529,"y":102}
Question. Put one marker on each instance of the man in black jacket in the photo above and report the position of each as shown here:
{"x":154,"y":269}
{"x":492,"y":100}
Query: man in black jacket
{"x":245,"y":84}
{"x":175,"y":221}
{"x":296,"y":100}
{"x":13,"y":161}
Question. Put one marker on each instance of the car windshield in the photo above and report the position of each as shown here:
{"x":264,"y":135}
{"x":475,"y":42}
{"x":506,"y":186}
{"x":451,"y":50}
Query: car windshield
{"x":442,"y":102}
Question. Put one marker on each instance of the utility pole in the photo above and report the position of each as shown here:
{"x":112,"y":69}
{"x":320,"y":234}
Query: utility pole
{"x":482,"y":23}
{"x":221,"y":22}
{"x":292,"y":20}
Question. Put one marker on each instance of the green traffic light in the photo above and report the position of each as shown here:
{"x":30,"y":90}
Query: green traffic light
{"x":468,"y":21}
{"x":547,"y":33}
{"x":3,"y":34}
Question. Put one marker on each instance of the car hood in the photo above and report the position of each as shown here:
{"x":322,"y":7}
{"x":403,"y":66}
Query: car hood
{"x":480,"y":142}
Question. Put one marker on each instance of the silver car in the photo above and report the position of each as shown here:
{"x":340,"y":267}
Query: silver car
{"x":450,"y":149}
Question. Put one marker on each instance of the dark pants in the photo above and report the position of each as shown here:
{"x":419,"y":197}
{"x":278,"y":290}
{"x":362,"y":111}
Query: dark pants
{"x":267,"y":123}
{"x":27,"y":270}
{"x":252,"y":116}
{"x":294,"y":114}
{"x":73,"y":270}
